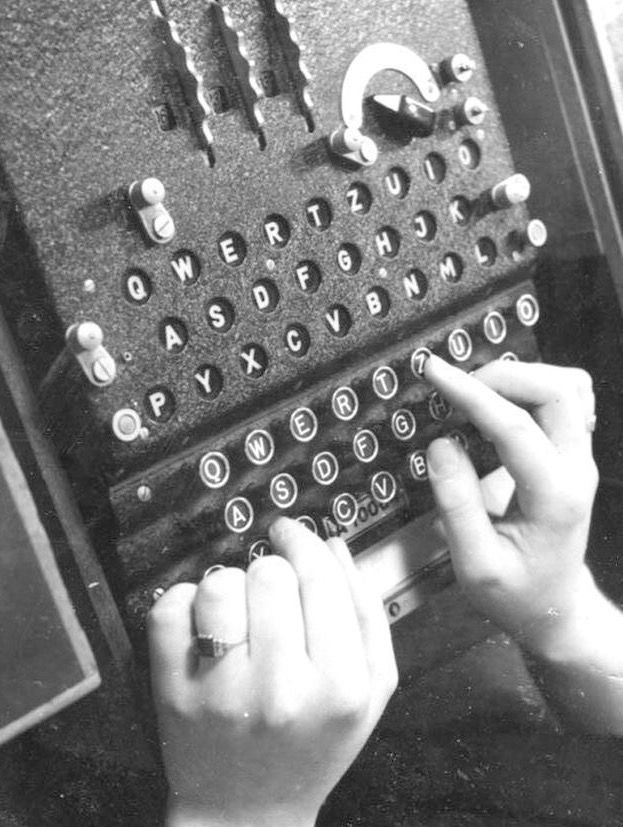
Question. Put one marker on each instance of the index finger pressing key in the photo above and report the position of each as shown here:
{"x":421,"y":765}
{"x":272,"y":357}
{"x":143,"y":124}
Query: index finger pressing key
{"x":561,"y":399}
{"x":522,"y":446}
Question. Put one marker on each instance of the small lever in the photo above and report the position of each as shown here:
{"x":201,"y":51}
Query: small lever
{"x":146,"y":198}
{"x":419,"y":118}
{"x":85,"y":340}
{"x":512,"y":190}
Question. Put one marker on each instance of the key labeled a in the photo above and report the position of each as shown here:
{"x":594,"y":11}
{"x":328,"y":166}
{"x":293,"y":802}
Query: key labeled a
{"x":238,"y":515}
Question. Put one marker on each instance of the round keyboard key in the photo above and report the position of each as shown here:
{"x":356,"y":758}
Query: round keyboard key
{"x":418,"y":361}
{"x":345,"y":403}
{"x":126,"y":424}
{"x":260,"y":548}
{"x":383,"y":487}
{"x":308,"y":522}
{"x":527,"y":309}
{"x":239,"y":515}
{"x":344,"y":509}
{"x":494,"y":327}
{"x":303,"y":424}
{"x":418,"y":467}
{"x":160,"y":403}
{"x":460,"y":345}
{"x":283,"y":490}
{"x":259,"y":447}
{"x":253,"y":361}
{"x":509,"y":356}
{"x":403,"y":424}
{"x":325,"y":468}
{"x":438,"y":407}
{"x":385,"y":382}
{"x":214,"y":469}
{"x":365,"y":445}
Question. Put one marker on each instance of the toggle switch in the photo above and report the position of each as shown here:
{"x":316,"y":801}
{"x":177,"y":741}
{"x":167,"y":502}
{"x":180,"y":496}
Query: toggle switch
{"x":419,"y":118}
{"x":471,"y":112}
{"x":352,"y":145}
{"x":146,"y":199}
{"x":85,"y":340}
{"x":458,"y":68}
{"x":534,"y":235}
{"x":512,"y":190}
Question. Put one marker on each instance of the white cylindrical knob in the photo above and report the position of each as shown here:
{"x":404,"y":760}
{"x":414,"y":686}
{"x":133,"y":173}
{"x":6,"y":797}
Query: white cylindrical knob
{"x":536,"y":233}
{"x":152,"y":191}
{"x":512,"y":190}
{"x":368,"y":151}
{"x":350,"y":143}
{"x":472,"y":111}
{"x":85,"y":336}
{"x":345,"y":139}
{"x":459,"y":68}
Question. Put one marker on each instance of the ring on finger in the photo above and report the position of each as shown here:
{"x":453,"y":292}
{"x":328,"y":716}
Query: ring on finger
{"x":209,"y":646}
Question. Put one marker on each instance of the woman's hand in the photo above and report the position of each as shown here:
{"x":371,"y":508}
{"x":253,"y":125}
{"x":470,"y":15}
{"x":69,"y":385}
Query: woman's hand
{"x":261,"y":735}
{"x":526,"y":572}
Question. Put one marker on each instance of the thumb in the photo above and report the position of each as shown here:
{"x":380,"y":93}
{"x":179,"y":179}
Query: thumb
{"x":473,"y":541}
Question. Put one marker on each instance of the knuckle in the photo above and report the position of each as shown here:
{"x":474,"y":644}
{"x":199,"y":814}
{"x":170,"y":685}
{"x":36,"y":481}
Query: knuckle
{"x":168,"y":607}
{"x":582,"y":381}
{"x":280,"y":709}
{"x":221,"y":583}
{"x":350,"y":699}
{"x":316,"y":571}
{"x":572,"y":500}
{"x":228,"y":709}
{"x":592,"y":476}
{"x":520,"y":422}
{"x":176,"y":706}
{"x":267,"y":572}
{"x":391,"y":677}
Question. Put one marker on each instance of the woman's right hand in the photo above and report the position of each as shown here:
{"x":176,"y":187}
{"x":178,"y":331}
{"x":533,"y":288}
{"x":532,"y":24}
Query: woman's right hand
{"x":526,"y":571}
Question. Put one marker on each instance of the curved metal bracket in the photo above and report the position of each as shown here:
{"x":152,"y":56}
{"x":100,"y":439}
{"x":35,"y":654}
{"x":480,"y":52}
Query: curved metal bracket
{"x":347,"y":140}
{"x":374,"y":59}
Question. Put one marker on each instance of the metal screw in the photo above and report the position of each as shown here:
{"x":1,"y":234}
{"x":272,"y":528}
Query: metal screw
{"x":163,"y":226}
{"x":394,"y":608}
{"x":143,"y":492}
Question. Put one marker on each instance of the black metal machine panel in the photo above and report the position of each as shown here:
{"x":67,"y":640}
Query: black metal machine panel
{"x":235,"y":212}
{"x":247,"y":219}
{"x":231,"y":232}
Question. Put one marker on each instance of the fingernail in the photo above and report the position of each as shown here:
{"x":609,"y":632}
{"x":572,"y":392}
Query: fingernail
{"x":443,"y":457}
{"x":282,"y":529}
{"x":157,"y":593}
{"x":436,"y":363}
{"x":212,"y":569}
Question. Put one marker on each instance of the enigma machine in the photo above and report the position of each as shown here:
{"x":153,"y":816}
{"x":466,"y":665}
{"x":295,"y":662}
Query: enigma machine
{"x":231,"y":234}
